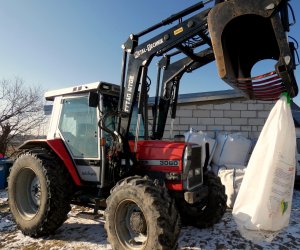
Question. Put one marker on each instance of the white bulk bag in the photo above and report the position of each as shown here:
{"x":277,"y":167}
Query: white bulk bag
{"x":264,"y":200}
{"x":231,"y":149}
{"x":231,"y":177}
{"x":201,"y":139}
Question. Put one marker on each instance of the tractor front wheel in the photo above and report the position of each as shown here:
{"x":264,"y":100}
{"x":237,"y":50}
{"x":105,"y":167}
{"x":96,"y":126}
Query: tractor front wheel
{"x":141,"y":215}
{"x":210,"y":209}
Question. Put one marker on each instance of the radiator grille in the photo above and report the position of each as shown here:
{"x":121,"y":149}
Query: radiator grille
{"x":195,"y":177}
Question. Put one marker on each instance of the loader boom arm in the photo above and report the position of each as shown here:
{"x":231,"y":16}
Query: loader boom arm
{"x":235,"y":33}
{"x":141,"y":56}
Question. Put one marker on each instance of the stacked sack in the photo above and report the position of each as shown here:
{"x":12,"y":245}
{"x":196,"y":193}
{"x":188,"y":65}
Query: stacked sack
{"x":201,"y":139}
{"x":229,"y":162}
{"x":228,"y":156}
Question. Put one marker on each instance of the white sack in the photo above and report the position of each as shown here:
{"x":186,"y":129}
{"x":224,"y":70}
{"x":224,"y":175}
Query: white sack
{"x":231,"y":178}
{"x":264,"y":200}
{"x":231,"y":149}
{"x":201,"y":139}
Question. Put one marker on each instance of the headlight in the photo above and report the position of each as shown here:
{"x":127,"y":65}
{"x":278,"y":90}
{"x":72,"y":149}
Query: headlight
{"x":186,"y":160}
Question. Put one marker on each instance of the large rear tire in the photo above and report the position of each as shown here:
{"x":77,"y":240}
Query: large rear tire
{"x":141,"y":215}
{"x":210,"y":209}
{"x":39,"y":192}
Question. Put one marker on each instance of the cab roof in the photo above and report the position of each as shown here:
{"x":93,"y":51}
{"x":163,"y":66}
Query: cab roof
{"x":89,"y":87}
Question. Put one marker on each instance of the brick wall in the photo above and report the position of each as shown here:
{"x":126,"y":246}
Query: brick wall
{"x":247,"y":117}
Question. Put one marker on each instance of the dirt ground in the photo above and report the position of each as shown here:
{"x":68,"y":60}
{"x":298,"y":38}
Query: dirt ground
{"x":83,"y":230}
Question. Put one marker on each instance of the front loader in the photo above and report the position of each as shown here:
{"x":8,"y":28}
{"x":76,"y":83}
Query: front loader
{"x":101,"y":151}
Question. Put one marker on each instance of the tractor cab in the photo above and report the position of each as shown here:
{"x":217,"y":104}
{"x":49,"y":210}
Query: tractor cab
{"x":77,"y":120}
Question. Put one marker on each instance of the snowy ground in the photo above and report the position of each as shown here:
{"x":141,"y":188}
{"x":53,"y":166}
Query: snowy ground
{"x":82,"y":231}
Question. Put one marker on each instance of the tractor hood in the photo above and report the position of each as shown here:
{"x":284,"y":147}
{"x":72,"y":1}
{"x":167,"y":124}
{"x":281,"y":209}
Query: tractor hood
{"x":162,"y":154}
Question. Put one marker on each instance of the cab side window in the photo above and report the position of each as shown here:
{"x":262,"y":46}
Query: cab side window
{"x":78,"y":126}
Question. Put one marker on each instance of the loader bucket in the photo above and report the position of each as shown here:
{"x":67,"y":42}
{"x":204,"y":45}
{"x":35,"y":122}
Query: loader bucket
{"x":245,"y":32}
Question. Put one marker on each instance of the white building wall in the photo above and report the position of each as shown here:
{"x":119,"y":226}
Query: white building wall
{"x":247,"y":117}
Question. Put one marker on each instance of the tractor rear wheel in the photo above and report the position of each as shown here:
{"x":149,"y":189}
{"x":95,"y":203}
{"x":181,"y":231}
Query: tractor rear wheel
{"x":38,"y":192}
{"x":141,"y":215}
{"x":210,"y":209}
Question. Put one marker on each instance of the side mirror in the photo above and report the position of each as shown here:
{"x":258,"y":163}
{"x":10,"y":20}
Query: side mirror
{"x":93,"y":99}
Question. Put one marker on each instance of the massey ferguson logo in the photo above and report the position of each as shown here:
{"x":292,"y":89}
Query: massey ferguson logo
{"x":148,"y":48}
{"x":128,"y":97}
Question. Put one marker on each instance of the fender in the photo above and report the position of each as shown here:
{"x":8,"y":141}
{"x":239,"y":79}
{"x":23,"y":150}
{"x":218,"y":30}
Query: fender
{"x":59,"y":148}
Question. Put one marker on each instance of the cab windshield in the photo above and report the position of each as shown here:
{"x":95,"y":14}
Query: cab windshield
{"x":110,"y":103}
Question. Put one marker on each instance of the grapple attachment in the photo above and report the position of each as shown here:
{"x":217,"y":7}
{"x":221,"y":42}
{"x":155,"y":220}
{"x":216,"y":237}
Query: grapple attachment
{"x":244,"y":32}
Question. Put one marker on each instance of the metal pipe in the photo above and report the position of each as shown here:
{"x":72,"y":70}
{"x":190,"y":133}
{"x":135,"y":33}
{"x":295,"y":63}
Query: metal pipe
{"x":102,"y":148}
{"x":156,"y":101}
{"x":121,"y":97}
{"x":137,"y":131}
{"x":172,"y":129}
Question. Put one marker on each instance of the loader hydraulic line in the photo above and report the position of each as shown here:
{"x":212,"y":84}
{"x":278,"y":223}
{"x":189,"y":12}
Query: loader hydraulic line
{"x":174,"y":17}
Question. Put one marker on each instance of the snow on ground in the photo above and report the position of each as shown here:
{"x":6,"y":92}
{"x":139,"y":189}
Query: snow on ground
{"x":85,"y":231}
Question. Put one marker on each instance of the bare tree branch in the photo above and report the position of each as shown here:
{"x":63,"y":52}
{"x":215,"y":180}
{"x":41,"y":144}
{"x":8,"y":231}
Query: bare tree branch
{"x":21,"y":110}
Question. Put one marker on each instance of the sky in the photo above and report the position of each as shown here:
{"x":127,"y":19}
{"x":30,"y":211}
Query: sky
{"x":62,"y":43}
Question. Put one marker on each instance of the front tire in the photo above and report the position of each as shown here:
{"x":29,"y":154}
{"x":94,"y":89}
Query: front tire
{"x":38,"y":192}
{"x":210,"y":209}
{"x":141,"y":215}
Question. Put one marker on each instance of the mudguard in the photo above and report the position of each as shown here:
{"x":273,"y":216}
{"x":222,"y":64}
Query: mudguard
{"x":59,"y":148}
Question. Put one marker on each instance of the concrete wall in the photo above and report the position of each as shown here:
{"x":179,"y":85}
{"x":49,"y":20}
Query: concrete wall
{"x":247,"y":117}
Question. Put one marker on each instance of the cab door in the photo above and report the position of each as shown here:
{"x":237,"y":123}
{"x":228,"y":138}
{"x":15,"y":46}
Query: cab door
{"x":79,"y":130}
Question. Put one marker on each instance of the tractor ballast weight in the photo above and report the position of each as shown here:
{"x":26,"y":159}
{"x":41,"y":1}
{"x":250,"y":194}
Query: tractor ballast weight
{"x":244,"y":32}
